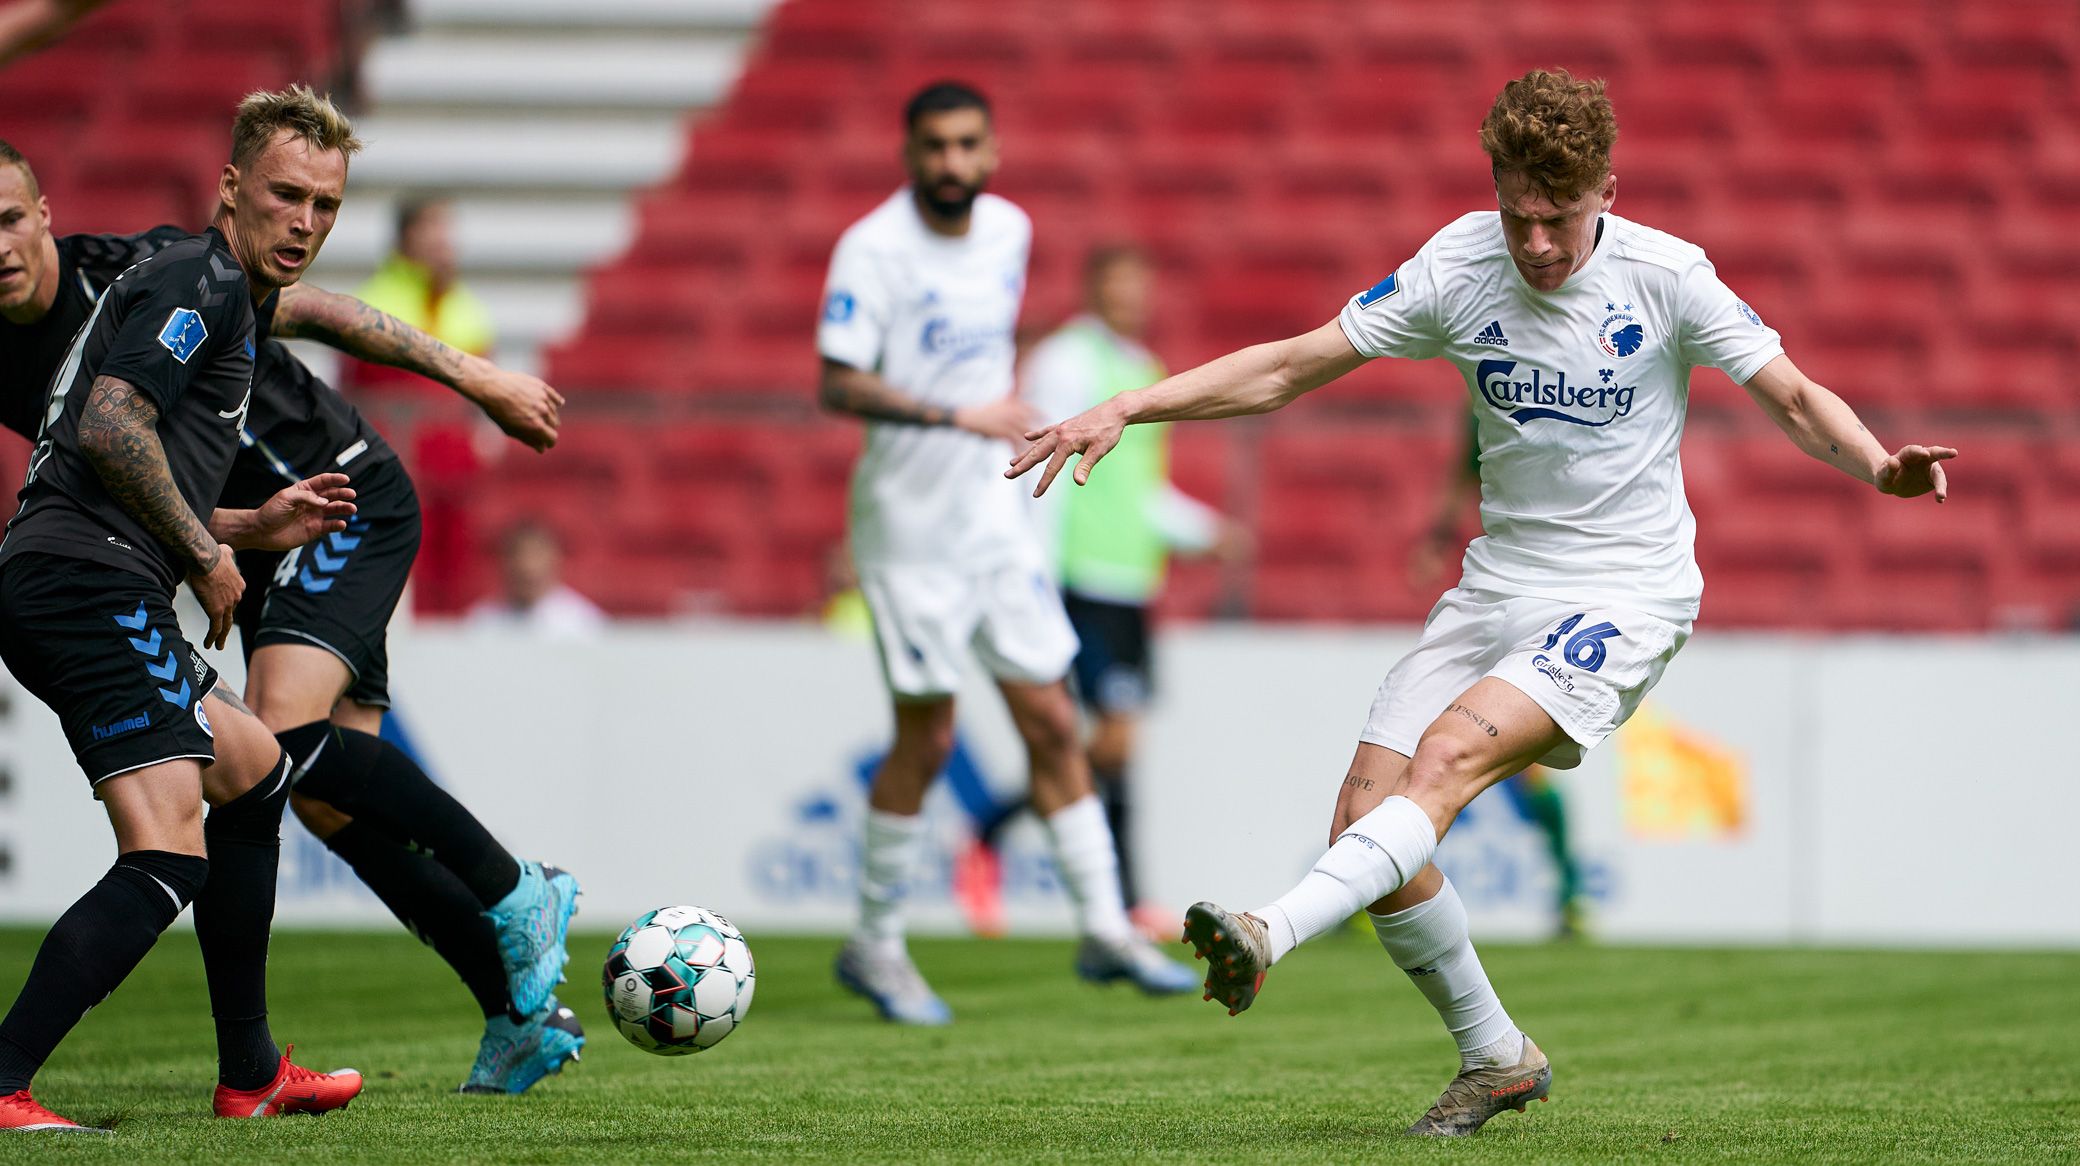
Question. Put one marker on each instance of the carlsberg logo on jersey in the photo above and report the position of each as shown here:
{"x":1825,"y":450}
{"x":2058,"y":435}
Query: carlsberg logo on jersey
{"x":1536,"y":394}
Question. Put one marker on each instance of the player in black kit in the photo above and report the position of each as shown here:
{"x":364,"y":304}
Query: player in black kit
{"x":312,"y":625}
{"x":141,"y":422}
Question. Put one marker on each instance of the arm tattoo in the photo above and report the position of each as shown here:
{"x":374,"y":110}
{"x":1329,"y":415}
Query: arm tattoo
{"x":347,"y":324}
{"x":1476,"y":718}
{"x":118,"y":434}
{"x":849,"y":390}
{"x":1356,"y":782}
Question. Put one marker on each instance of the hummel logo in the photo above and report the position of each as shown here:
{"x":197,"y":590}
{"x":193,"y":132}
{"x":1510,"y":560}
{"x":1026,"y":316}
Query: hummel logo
{"x":1492,"y":334}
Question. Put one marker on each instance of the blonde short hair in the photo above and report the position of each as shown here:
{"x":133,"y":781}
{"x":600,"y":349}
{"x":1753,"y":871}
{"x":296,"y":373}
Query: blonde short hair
{"x":9,"y":156}
{"x":262,"y":116}
{"x":1555,"y":130}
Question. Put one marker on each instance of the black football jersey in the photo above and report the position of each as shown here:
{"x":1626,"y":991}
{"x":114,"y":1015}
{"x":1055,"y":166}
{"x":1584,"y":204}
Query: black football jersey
{"x":30,"y":353}
{"x":178,"y":325}
{"x":298,"y":426}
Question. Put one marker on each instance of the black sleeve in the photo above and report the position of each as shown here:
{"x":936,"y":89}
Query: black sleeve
{"x":104,"y":257}
{"x":176,"y":316}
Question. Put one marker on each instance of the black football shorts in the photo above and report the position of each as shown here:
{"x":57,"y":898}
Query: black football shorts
{"x":1112,"y":670}
{"x":102,"y":647}
{"x":338,"y":593}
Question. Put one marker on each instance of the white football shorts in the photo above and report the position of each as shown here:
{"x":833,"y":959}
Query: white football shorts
{"x":1586,"y":664}
{"x":928,"y":617}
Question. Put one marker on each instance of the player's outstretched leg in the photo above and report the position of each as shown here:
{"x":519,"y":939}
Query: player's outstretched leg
{"x":434,"y":905}
{"x":515,"y":1054}
{"x":529,"y":905}
{"x":1425,"y":934}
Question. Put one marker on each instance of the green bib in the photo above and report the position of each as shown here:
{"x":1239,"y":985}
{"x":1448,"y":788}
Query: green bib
{"x":1111,"y":546}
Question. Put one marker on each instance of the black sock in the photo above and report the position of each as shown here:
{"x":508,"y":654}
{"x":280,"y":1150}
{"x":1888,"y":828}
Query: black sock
{"x":1112,"y":794}
{"x":432,"y":903}
{"x":88,"y":951}
{"x":233,"y":916}
{"x":375,"y":782}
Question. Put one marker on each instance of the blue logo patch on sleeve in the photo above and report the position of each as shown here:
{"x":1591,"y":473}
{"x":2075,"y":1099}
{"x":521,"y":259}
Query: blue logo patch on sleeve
{"x":1378,"y":291}
{"x":838,"y":307}
{"x":183,"y":334}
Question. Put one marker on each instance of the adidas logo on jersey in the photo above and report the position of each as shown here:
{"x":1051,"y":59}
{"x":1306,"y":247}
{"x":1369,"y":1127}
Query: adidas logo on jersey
{"x":1492,"y":334}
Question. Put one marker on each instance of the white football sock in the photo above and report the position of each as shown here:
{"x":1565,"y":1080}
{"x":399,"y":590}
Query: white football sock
{"x":889,"y":852}
{"x":1429,"y":941}
{"x":1090,"y":868}
{"x":1374,"y":856}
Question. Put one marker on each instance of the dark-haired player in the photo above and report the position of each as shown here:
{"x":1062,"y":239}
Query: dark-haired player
{"x":1576,"y":331}
{"x":142,"y":420}
{"x":916,"y":338}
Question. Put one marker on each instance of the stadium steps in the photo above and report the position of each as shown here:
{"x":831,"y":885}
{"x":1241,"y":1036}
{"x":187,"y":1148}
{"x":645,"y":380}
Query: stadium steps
{"x":539,"y":118}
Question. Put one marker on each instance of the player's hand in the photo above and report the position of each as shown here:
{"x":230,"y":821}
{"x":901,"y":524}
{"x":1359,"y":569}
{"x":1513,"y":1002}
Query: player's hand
{"x":525,"y":407}
{"x":1426,"y":559}
{"x":1006,"y":418}
{"x":1091,"y":433}
{"x":1915,"y":470}
{"x":305,"y":512}
{"x":218,"y":590}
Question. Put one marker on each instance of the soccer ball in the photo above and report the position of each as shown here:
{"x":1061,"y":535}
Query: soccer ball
{"x":678,"y":980}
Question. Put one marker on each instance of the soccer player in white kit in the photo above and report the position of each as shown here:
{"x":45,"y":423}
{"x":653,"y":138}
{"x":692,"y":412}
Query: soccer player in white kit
{"x":917,"y":338}
{"x":1576,"y":331}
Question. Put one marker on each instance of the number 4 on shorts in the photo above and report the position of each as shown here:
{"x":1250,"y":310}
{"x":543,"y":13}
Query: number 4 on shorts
{"x":1585,"y":648}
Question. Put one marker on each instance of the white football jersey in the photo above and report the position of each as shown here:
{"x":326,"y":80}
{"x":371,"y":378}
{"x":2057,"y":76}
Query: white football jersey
{"x":936,"y":317}
{"x":1579,"y":397}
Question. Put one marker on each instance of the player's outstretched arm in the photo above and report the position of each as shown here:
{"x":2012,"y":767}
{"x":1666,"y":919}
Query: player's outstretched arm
{"x":845,"y":389}
{"x":1257,"y":379}
{"x":1824,"y":426}
{"x":119,"y":436}
{"x":28,"y":25}
{"x":525,"y":407}
{"x":298,"y":514}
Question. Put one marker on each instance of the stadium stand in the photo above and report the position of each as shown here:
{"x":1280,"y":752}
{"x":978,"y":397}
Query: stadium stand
{"x":1887,"y":191}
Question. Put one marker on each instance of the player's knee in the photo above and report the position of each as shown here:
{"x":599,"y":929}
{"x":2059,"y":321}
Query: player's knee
{"x":246,"y":753}
{"x":1050,"y":732}
{"x":1443,"y":769}
{"x":926,"y":744}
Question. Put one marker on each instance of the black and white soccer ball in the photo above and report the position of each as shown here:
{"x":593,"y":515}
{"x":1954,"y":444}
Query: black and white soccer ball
{"x":678,"y":980}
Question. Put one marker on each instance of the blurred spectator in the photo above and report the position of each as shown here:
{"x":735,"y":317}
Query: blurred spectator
{"x":420,"y":284}
{"x":532,"y":595}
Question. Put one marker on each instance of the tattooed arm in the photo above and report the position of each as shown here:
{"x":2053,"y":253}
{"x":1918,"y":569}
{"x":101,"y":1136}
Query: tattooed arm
{"x":846,"y":389}
{"x":27,"y":25}
{"x":525,"y":407}
{"x":119,"y":435}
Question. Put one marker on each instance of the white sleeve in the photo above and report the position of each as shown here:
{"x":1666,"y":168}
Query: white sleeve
{"x":1720,"y":330}
{"x":1185,"y":523}
{"x":1398,"y":315}
{"x":857,"y":308}
{"x":1056,"y":379}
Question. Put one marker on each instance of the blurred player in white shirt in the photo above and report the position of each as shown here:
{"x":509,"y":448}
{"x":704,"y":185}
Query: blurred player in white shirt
{"x":917,"y":334}
{"x":1576,"y":331}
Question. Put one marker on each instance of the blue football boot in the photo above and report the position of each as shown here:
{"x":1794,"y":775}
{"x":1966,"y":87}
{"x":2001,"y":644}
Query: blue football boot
{"x":531,"y":923}
{"x":514,"y":1056}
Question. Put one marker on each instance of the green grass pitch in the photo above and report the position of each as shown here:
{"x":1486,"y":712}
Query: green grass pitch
{"x":1659,"y":1056}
